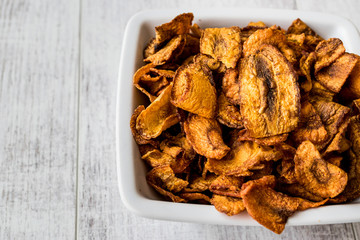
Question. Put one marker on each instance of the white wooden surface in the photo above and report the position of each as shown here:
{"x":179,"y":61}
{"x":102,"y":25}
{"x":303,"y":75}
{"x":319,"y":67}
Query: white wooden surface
{"x":58,"y":78}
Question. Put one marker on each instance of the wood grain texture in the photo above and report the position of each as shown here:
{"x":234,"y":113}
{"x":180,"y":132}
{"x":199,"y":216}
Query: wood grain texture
{"x":101,"y":214}
{"x":38,"y":119}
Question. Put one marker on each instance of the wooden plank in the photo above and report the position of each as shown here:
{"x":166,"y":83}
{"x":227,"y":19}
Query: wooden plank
{"x":356,"y":228}
{"x":101,"y":213}
{"x":38,"y":119}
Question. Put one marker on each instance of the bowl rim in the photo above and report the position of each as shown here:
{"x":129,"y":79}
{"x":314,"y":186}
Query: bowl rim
{"x":161,"y":209}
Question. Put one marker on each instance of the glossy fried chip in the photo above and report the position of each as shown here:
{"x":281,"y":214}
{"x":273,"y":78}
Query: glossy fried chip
{"x":223,"y":44}
{"x":268,"y":36}
{"x":205,"y":136}
{"x":169,"y":52}
{"x":228,"y":114}
{"x":164,"y":177}
{"x":327,"y":51}
{"x":158,"y":116}
{"x":227,"y":186}
{"x":315,"y":174}
{"x":230,"y":86}
{"x":228,"y":205}
{"x":242,"y":158}
{"x":334,"y":76}
{"x":193,"y":91}
{"x":310,"y":126}
{"x":180,"y":25}
{"x":269,"y":207}
{"x":269,"y":93}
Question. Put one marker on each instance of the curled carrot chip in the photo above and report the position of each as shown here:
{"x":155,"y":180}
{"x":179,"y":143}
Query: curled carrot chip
{"x":242,"y":158}
{"x":195,"y":197}
{"x":268,"y":36}
{"x":351,"y":89}
{"x":310,"y":126}
{"x":205,"y":136}
{"x":164,"y":177}
{"x":243,"y":135}
{"x":158,"y":116}
{"x":157,"y":158}
{"x":332,"y":115}
{"x":199,"y":183}
{"x":352,"y":189}
{"x":311,"y":37}
{"x":212,"y":63}
{"x":180,"y":25}
{"x":327,"y":51}
{"x":334,"y":76}
{"x":137,"y":136}
{"x":269,"y":207}
{"x":228,"y":205}
{"x":339,"y":143}
{"x":264,"y":77}
{"x":320,"y":93}
{"x":169,"y":52}
{"x":193,"y":90}
{"x":228,"y":114}
{"x":227,"y":185}
{"x":230,"y":86}
{"x":223,"y":44}
{"x":250,"y":29}
{"x":306,"y":67}
{"x":316,"y":175}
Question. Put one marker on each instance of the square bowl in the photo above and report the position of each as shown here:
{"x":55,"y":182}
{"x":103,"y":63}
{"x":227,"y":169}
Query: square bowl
{"x":135,"y":193}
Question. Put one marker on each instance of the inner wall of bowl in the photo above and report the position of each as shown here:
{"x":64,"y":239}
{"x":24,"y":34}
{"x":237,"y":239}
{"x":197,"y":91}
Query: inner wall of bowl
{"x":147,"y":31}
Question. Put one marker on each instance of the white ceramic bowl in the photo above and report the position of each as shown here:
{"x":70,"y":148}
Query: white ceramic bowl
{"x":135,"y":193}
